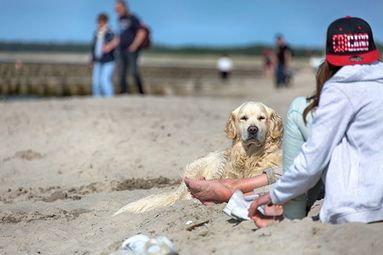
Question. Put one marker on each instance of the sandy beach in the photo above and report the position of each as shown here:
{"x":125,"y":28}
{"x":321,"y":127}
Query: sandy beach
{"x":66,"y":165}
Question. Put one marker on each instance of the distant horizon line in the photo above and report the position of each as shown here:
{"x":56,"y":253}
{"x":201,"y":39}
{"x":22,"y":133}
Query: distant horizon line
{"x":161,"y":44}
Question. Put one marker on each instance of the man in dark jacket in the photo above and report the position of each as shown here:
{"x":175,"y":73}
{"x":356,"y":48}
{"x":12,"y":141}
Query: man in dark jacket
{"x":130,"y":39}
{"x":283,"y":57}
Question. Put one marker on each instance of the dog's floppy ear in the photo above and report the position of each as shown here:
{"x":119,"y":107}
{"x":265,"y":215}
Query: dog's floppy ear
{"x":231,"y":127}
{"x":275,"y":124}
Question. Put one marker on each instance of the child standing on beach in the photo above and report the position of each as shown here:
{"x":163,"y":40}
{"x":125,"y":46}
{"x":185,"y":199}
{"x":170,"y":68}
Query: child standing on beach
{"x":102,"y":62}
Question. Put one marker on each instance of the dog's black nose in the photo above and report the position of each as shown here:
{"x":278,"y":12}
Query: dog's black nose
{"x":252,"y":130}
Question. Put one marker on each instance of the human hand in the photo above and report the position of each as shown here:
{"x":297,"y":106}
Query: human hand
{"x":272,"y":212}
{"x":107,"y":48}
{"x":132,"y":48}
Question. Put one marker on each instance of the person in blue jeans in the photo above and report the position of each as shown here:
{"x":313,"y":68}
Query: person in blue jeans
{"x":102,"y":62}
{"x":283,"y":58}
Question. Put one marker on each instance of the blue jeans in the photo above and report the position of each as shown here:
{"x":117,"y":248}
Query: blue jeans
{"x":296,"y":133}
{"x":129,"y":62}
{"x":282,"y":76}
{"x":102,"y":83}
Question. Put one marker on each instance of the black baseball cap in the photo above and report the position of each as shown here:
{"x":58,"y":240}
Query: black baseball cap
{"x":349,"y":42}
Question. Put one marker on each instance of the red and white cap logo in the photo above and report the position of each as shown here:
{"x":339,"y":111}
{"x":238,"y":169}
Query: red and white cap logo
{"x":350,"y":42}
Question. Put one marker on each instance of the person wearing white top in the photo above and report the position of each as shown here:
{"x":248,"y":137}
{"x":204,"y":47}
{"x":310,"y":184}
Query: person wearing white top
{"x":224,"y":66}
{"x":345,"y":144}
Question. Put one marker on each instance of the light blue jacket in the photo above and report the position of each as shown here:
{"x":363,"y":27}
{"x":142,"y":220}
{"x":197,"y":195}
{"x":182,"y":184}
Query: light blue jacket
{"x":295,"y":131}
{"x":347,"y":141}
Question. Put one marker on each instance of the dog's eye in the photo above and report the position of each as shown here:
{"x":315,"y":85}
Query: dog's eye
{"x":261,"y":118}
{"x":244,"y":118}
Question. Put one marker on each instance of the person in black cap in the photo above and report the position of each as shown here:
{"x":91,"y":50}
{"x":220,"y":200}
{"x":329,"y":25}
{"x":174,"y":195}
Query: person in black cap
{"x":345,"y":145}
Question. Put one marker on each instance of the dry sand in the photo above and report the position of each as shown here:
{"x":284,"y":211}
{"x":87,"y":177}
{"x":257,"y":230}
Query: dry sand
{"x":68,"y":164}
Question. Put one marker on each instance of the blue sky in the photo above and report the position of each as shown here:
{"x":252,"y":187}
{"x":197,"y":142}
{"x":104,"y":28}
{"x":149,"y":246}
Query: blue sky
{"x":188,"y":22}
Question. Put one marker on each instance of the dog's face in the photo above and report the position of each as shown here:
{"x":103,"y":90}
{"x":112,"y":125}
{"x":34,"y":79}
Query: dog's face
{"x":253,"y":124}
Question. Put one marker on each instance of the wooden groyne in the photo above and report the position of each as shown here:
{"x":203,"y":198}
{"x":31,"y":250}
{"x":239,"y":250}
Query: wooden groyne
{"x":63,"y":75}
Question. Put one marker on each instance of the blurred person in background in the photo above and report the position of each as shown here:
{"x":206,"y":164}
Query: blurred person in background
{"x":268,"y":62}
{"x":102,"y":62}
{"x":224,"y":66}
{"x":283,"y":63}
{"x":131,"y":36}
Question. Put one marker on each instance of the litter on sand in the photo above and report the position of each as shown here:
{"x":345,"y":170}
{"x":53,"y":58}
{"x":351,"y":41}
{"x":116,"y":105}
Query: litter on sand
{"x":238,"y":205}
{"x":143,"y":245}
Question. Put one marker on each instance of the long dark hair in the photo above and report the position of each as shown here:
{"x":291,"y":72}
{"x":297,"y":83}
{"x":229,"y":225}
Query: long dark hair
{"x":324,"y":73}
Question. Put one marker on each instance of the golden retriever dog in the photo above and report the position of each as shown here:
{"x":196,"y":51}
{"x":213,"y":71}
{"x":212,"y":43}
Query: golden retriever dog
{"x":256,"y":131}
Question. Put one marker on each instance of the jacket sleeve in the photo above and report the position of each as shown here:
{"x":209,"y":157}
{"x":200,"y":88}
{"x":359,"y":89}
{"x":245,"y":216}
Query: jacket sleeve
{"x":136,"y":24}
{"x":109,"y":36}
{"x":329,"y":126}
